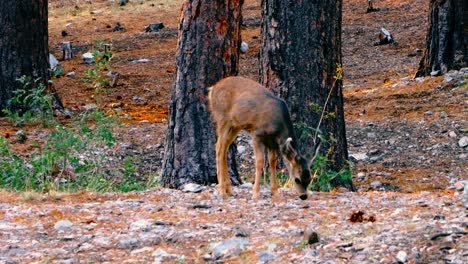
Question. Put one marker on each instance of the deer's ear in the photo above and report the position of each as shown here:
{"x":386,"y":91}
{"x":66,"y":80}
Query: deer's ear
{"x":288,"y":150}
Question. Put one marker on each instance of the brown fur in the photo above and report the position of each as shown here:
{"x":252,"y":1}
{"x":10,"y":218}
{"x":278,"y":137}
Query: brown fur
{"x":236,"y":104}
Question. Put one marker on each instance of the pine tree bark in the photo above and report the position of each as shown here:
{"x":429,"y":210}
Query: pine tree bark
{"x":23,"y":45}
{"x":208,"y":50}
{"x":447,"y":37}
{"x":299,"y":57}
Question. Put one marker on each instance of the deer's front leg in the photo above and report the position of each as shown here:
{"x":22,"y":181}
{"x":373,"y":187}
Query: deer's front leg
{"x":273,"y":159}
{"x":259,"y":152}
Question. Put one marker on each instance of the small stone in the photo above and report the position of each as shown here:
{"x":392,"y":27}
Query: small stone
{"x":463,"y":142}
{"x":71,"y":74}
{"x":359,"y":156}
{"x":140,"y":61}
{"x":89,"y":107}
{"x":155,"y":27}
{"x":21,"y":135}
{"x":63,"y":224}
{"x":311,"y":236}
{"x":241,"y":150}
{"x":452,"y":134}
{"x":129,"y":243}
{"x":247,"y":185}
{"x":435,"y":73}
{"x":401,"y":256}
{"x":376,"y":184}
{"x":88,"y":58}
{"x":361,"y":175}
{"x":443,"y":115}
{"x":465,"y":196}
{"x":266,"y":257}
{"x":371,"y":135}
{"x":428,"y":113}
{"x":460,"y":185}
{"x":163,"y":255}
{"x":192,"y":187}
{"x":244,"y":47}
{"x":241,"y":231}
{"x":141,"y":225}
{"x":228,"y":248}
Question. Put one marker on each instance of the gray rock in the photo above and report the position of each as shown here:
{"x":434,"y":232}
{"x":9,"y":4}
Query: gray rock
{"x":452,"y":134}
{"x":71,"y":74}
{"x":155,"y":27}
{"x":162,"y":255}
{"x":140,"y":61}
{"x":129,"y":243}
{"x":88,"y":58}
{"x":247,"y":185}
{"x":54,"y":63}
{"x":376,"y":184}
{"x":359,"y":156}
{"x":241,"y":150}
{"x":244,"y":47}
{"x":465,"y":196}
{"x":192,"y":187}
{"x":141,"y":225}
{"x":241,"y":231}
{"x":428,"y":113}
{"x":443,"y":114}
{"x":463,"y":142}
{"x":361,"y":175}
{"x":266,"y":257}
{"x":63,"y":224}
{"x":435,"y":73}
{"x":460,"y":185}
{"x":228,"y":248}
{"x":89,"y":107}
{"x":401,"y":256}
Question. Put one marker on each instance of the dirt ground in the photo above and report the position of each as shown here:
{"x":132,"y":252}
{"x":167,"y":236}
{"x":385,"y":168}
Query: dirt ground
{"x":406,"y":129}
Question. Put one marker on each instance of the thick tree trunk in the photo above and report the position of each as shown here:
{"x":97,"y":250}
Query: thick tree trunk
{"x":208,"y":50}
{"x":300,"y":55}
{"x":23,"y":45}
{"x":447,"y":37}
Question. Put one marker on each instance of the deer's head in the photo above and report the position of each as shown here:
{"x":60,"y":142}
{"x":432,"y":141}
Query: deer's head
{"x":298,"y":168}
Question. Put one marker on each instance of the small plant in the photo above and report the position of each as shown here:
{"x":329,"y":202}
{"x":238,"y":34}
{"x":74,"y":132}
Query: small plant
{"x":95,"y":77}
{"x":33,"y":104}
{"x":303,"y":244}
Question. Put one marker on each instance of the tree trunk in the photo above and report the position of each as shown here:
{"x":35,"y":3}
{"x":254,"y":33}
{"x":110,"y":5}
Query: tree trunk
{"x":208,"y":50}
{"x":447,"y":37}
{"x":23,"y":45}
{"x":299,"y":58}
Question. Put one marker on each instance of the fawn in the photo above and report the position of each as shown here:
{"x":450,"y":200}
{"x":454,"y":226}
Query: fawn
{"x":236,"y":104}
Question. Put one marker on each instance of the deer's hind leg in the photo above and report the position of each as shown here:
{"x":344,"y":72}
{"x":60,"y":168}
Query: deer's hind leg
{"x":226,"y":136}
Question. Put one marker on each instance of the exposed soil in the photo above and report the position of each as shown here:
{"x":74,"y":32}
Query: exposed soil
{"x":402,"y":133}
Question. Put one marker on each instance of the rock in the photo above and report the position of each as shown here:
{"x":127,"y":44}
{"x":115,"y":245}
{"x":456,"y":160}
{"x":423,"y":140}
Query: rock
{"x":452,"y":134}
{"x":244,"y":47}
{"x":123,"y":2}
{"x":88,"y":58}
{"x":460,"y":185}
{"x":241,"y":231}
{"x":129,"y":243}
{"x":465,"y":196}
{"x":359,"y":156}
{"x":435,"y":73}
{"x":54,"y":63}
{"x":89,"y":107}
{"x":71,"y":74}
{"x":155,"y":27}
{"x":161,"y":255}
{"x":443,"y":115}
{"x":228,"y":248}
{"x":141,"y":225}
{"x":401,"y":256}
{"x":266,"y":257}
{"x":310,"y":235}
{"x":428,"y":113}
{"x":63,"y":224}
{"x":241,"y":150}
{"x":463,"y":142}
{"x":376,"y":184}
{"x":140,"y":61}
{"x":192,"y":187}
{"x":247,"y":185}
{"x":361,"y":175}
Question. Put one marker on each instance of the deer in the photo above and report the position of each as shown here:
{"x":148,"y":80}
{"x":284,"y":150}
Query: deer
{"x":237,"y":103}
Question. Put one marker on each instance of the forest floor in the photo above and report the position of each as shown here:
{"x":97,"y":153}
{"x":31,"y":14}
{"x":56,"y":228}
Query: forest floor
{"x":403,"y":133}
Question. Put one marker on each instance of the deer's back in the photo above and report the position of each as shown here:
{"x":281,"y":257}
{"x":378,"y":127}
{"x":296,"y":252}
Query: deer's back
{"x":245,"y":104}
